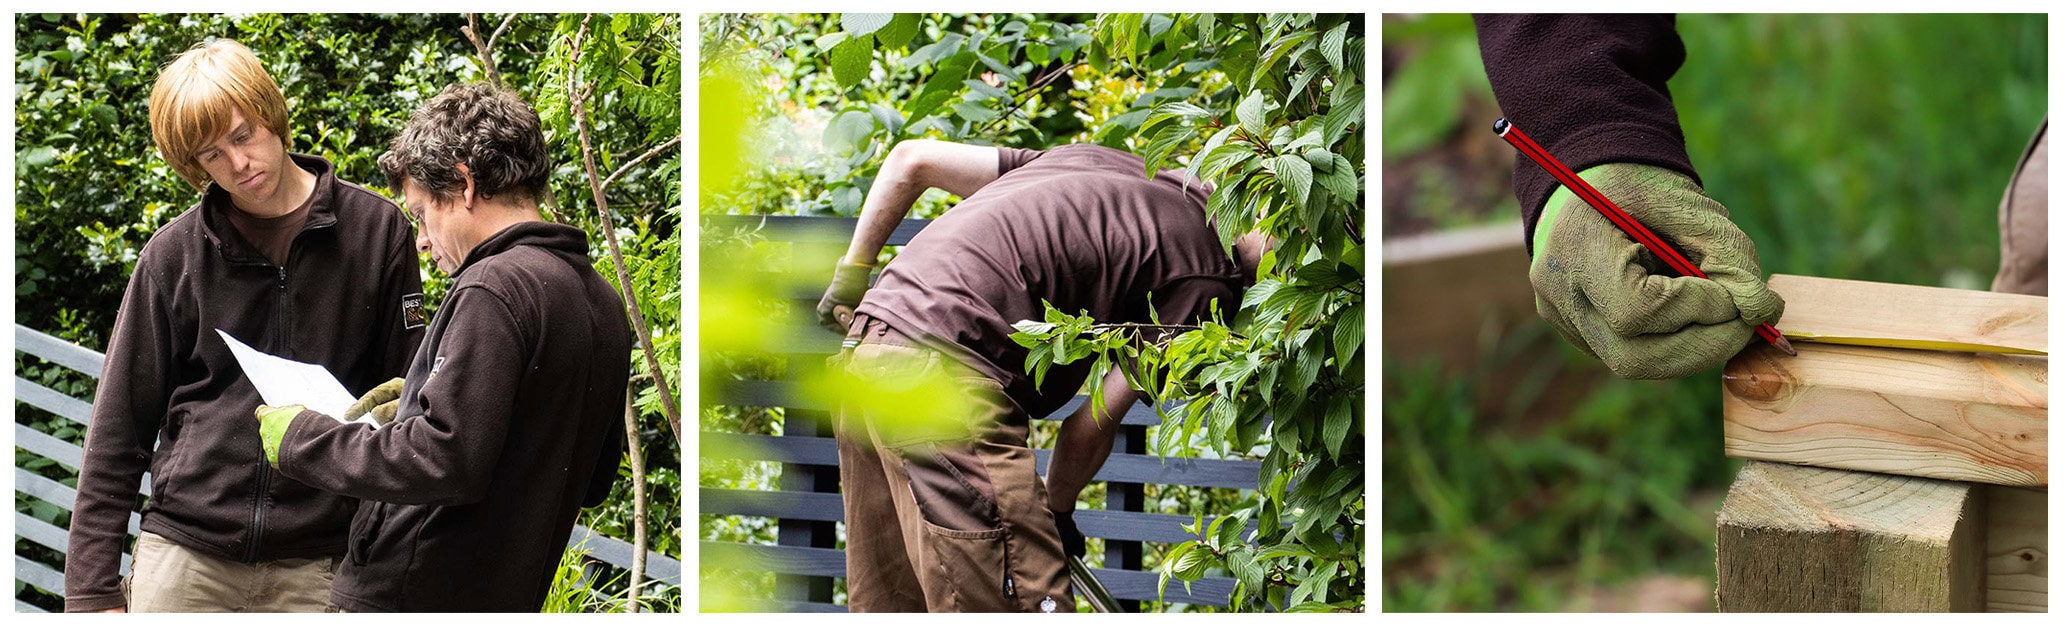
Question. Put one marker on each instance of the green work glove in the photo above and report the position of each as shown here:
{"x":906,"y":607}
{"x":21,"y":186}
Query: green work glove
{"x":381,"y":402}
{"x":848,"y":283}
{"x":272,"y":426}
{"x":1609,"y":296}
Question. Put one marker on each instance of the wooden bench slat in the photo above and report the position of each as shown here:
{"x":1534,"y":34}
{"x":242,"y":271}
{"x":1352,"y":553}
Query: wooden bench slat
{"x":814,"y":561}
{"x":35,"y":574}
{"x":804,"y":229}
{"x":57,"y":403}
{"x":57,"y":351}
{"x":63,"y":496}
{"x":21,"y":607}
{"x":46,"y":446}
{"x":1125,"y":468}
{"x":618,"y":553}
{"x":1106,"y":524}
{"x":41,"y":533}
{"x":784,"y":394}
{"x":792,"y":607}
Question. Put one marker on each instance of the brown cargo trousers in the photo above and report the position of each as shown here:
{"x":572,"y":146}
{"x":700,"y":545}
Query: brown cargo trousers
{"x":2025,"y":222}
{"x":942,"y":519}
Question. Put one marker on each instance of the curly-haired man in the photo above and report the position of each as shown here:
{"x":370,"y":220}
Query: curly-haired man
{"x":510,"y":417}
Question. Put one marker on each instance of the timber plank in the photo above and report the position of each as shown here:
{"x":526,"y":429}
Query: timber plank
{"x":1954,"y":416}
{"x":2017,"y":550}
{"x":1806,"y":539}
{"x":1855,"y":308}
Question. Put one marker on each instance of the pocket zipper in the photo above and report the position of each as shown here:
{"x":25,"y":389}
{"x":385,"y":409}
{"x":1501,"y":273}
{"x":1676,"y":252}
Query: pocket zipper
{"x":1010,"y":585}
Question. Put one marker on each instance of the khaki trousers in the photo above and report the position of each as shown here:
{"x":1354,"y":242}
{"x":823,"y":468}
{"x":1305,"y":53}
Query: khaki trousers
{"x":2025,"y":222}
{"x":166,"y":577}
{"x":943,"y":519}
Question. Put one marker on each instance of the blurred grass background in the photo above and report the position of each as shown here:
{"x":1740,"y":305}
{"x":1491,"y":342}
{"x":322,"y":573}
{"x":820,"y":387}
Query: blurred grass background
{"x":1872,"y":147}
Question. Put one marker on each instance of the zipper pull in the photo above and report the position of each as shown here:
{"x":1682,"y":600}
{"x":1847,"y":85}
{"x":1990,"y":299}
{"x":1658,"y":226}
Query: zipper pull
{"x":283,"y":277}
{"x":1010,"y":587}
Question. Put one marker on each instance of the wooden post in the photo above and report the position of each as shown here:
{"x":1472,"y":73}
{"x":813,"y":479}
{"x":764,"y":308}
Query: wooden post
{"x":1795,"y":538}
{"x":802,"y":533}
{"x":1127,"y":497}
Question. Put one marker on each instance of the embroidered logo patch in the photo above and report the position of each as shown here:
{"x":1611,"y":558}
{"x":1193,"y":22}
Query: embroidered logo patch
{"x":412,"y":311}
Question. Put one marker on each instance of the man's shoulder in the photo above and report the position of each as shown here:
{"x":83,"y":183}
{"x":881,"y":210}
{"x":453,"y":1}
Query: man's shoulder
{"x":175,"y":242}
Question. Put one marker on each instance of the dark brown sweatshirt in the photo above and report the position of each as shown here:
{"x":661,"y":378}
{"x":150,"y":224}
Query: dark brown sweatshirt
{"x":173,"y":400}
{"x":511,"y":420}
{"x":1079,"y":226}
{"x":1592,"y":89}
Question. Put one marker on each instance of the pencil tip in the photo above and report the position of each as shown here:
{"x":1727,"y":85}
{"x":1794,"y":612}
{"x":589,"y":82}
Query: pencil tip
{"x":1786,"y":346}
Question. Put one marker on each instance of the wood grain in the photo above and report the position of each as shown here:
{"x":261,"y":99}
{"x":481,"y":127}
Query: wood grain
{"x":1794,"y":538}
{"x":1968,"y":417}
{"x":1855,"y":308}
{"x":2017,"y":549}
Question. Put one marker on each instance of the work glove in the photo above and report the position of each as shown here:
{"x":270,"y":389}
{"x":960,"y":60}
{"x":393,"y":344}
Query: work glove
{"x":1610,"y":297}
{"x":1073,"y":543}
{"x":381,"y":402}
{"x":848,"y":283}
{"x":272,"y":426}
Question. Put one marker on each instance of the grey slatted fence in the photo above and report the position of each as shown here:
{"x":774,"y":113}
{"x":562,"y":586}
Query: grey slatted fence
{"x":49,"y":577}
{"x":807,"y":506}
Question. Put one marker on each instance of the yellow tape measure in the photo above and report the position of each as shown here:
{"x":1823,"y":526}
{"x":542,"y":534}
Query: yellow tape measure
{"x":1933,"y":346}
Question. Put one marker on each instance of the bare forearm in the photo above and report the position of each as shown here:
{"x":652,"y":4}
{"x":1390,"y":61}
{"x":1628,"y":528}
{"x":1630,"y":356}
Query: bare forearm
{"x":1085,"y":443}
{"x":895,"y":189}
{"x":911,"y":168}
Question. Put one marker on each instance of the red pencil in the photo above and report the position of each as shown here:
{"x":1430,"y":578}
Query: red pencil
{"x":1612,"y":212}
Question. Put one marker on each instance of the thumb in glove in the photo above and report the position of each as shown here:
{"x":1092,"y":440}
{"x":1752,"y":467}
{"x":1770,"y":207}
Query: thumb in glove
{"x":384,"y":394}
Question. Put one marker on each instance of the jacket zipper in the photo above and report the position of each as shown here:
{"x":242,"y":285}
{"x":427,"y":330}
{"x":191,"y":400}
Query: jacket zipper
{"x":264,"y":471}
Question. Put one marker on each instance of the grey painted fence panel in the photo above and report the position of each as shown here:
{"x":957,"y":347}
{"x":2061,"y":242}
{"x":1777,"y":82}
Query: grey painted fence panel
{"x":1107,"y":524}
{"x":615,"y":552}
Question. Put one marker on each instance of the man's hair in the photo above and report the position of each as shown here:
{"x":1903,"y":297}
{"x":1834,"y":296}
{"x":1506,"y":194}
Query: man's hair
{"x":488,"y":128}
{"x":191,"y":104}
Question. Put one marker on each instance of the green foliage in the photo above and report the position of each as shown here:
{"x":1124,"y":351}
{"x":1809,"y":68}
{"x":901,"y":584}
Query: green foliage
{"x":1483,"y":515}
{"x":1285,"y":380}
{"x":576,"y":582}
{"x":90,"y":188}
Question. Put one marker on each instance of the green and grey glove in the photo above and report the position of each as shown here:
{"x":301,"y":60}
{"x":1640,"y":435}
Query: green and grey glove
{"x":848,"y":284}
{"x":272,"y":426}
{"x":1609,"y":296}
{"x":381,"y":402}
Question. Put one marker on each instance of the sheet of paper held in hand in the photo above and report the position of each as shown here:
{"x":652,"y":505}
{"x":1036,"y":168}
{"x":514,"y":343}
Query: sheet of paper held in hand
{"x":285,"y":382}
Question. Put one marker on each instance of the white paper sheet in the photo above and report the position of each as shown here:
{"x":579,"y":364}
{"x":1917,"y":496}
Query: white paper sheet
{"x":284,"y":382}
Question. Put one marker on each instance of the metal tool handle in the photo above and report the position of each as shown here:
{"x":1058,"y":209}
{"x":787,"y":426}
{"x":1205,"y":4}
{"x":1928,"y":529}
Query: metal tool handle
{"x":1091,"y":588}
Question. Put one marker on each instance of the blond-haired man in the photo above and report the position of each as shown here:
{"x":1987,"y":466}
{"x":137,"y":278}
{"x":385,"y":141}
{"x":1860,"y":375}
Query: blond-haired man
{"x":284,"y":256}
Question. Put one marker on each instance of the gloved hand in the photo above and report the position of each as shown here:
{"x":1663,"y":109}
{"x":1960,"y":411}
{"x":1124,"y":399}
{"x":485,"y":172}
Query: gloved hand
{"x":1606,"y":294}
{"x":272,"y":426}
{"x":381,"y":402}
{"x":1073,"y":542}
{"x":848,"y":283}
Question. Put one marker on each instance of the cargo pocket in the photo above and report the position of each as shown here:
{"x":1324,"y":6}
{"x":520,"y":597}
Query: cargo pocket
{"x":968,"y":571}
